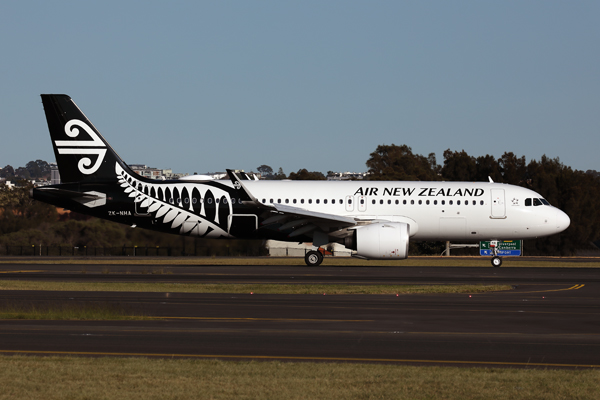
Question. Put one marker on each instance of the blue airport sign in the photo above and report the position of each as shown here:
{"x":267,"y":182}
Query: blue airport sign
{"x":505,"y":248}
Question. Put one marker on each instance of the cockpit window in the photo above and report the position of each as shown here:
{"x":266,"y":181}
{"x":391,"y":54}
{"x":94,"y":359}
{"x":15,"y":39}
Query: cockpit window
{"x":536,"y":202}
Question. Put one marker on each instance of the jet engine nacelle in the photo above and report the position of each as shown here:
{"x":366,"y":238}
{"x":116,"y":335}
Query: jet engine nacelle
{"x":382,"y":240}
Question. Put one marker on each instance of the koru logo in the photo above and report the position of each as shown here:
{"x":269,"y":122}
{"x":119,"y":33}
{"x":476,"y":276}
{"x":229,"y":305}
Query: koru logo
{"x":82,"y":147}
{"x":237,"y":185}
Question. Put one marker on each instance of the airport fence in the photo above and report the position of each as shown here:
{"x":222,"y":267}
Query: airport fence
{"x":131,"y":251}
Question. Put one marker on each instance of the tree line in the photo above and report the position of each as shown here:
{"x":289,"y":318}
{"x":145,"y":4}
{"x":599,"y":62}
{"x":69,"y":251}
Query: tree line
{"x":24,"y":221}
{"x":37,"y":169}
{"x":575,"y":192}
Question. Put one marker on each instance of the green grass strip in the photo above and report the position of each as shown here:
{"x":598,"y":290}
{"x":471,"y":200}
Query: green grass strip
{"x":49,"y":378}
{"x":259,"y":288}
{"x":79,"y":311}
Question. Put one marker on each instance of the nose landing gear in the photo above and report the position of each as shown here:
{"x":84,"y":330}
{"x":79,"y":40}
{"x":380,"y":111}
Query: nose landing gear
{"x":496,"y":260}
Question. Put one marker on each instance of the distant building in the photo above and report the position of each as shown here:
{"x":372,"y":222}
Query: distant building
{"x":156,"y":173}
{"x":8,"y":184}
{"x":54,"y":174}
{"x":346,"y":176}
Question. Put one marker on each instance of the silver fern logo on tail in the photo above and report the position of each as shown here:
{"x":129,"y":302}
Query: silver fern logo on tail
{"x":82,"y":147}
{"x":174,"y":205}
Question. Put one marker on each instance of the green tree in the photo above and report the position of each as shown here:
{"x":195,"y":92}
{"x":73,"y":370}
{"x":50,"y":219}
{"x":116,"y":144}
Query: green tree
{"x":487,"y":167}
{"x":513,"y":169}
{"x":7,"y":172}
{"x":34,"y":169}
{"x":459,"y":166}
{"x":577,"y":194}
{"x":19,"y":211}
{"x":265,"y":171}
{"x":22,"y":173}
{"x":396,"y":163}
{"x":304,"y":175}
{"x":279,"y":175}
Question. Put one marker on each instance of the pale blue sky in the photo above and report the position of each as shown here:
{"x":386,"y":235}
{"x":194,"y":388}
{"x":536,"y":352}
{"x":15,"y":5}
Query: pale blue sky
{"x":203,"y":86}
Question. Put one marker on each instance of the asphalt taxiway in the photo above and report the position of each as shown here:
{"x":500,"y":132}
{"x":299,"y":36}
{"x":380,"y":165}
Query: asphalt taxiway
{"x":550,"y":319}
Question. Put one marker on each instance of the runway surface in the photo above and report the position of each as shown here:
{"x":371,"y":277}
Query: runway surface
{"x":550,"y":319}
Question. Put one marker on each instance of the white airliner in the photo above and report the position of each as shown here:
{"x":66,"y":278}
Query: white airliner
{"x":375,"y":219}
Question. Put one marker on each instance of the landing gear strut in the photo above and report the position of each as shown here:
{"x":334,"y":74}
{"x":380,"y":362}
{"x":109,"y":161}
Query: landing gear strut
{"x":496,"y":260}
{"x":313,"y":258}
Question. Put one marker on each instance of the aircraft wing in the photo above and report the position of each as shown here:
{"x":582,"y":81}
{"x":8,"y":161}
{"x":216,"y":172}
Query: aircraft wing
{"x":320,"y":226}
{"x":298,"y":221}
{"x":300,"y":212}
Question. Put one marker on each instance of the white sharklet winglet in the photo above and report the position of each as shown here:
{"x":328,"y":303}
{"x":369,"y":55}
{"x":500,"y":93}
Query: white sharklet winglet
{"x":237,"y":183}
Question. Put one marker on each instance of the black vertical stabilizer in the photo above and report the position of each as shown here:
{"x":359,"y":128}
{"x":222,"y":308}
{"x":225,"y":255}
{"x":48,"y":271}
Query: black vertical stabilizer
{"x":82,"y":154}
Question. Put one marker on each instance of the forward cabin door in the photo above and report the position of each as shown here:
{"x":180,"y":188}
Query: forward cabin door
{"x":498,"y":206}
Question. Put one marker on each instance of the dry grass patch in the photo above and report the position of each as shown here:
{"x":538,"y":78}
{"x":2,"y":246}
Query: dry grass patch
{"x":140,"y":378}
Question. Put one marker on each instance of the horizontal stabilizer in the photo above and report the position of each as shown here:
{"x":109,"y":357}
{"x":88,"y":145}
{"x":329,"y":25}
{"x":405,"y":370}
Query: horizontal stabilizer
{"x":88,"y":199}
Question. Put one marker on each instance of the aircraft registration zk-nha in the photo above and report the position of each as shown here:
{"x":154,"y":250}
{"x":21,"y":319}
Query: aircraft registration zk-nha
{"x":374,"y":219}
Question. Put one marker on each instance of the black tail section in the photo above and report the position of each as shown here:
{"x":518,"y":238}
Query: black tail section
{"x":82,"y":154}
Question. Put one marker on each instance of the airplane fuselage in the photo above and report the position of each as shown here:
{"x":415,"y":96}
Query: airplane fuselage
{"x":433,"y":210}
{"x":375,"y":219}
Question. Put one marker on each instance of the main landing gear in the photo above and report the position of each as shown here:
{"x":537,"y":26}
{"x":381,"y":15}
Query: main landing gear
{"x":313,"y":258}
{"x":496,"y":261}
